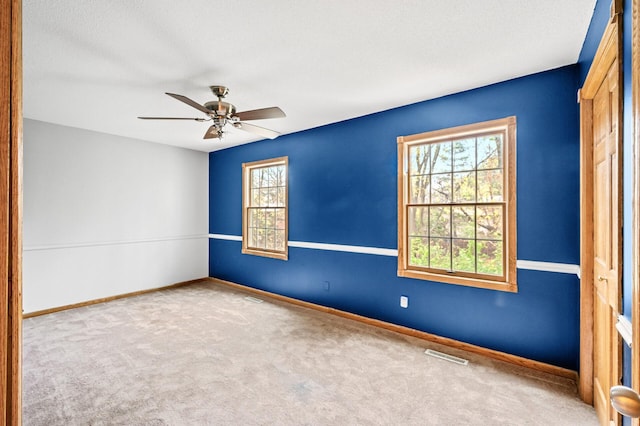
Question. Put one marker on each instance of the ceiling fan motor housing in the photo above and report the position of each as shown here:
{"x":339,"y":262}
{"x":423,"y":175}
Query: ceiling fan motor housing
{"x":221,"y":109}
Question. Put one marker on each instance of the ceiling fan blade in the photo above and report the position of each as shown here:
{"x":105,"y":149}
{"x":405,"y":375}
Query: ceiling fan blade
{"x":189,"y":102}
{"x":261,"y":114}
{"x":171,"y":118}
{"x":271,"y":134}
{"x":212,"y":132}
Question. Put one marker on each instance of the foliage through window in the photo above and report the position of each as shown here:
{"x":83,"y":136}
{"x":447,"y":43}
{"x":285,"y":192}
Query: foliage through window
{"x":457,"y":205}
{"x":264,"y":211}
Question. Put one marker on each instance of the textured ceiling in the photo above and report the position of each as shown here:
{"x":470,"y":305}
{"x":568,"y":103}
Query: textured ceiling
{"x":98,"y":65}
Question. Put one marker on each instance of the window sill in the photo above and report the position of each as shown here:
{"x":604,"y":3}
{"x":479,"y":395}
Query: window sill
{"x":266,"y":253}
{"x":509,"y":286}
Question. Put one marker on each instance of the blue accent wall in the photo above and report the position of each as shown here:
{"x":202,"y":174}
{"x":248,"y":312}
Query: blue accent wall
{"x":343,"y":190}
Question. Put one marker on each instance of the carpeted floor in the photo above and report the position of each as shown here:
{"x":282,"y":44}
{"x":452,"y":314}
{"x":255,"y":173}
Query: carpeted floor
{"x":205,"y":355}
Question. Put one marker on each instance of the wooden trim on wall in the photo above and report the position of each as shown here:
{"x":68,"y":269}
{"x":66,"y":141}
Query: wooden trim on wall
{"x":609,"y":51}
{"x":490,"y":353}
{"x":635,"y":117}
{"x":109,"y":299}
{"x":10,"y":210}
{"x":585,"y":383}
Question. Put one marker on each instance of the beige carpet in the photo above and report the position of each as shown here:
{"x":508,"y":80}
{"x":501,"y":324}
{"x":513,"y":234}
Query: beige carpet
{"x":206,"y":355}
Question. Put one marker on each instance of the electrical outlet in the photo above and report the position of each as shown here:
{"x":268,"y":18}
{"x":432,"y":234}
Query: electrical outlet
{"x":404,"y":301}
{"x":326,"y":285}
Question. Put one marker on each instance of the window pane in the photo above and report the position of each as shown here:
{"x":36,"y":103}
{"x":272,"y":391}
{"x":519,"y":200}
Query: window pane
{"x":489,"y":223}
{"x":419,"y":160}
{"x":280,"y":219}
{"x":490,"y":257}
{"x":273,"y":176}
{"x":270,"y":239}
{"x":272,"y":196}
{"x":440,"y":222}
{"x":441,"y":157}
{"x":280,"y":242}
{"x":464,"y":222}
{"x":281,"y":200}
{"x":252,"y":240}
{"x":257,"y":218}
{"x":419,"y":189}
{"x":262,"y":217}
{"x":464,"y":187}
{"x":269,"y":218}
{"x":259,"y":237}
{"x":418,"y":221}
{"x":264,"y":197}
{"x":490,"y":152}
{"x":282,"y":176}
{"x":464,"y":154}
{"x":440,"y":253}
{"x":264,"y":177}
{"x":464,"y":255}
{"x":254,"y":197}
{"x":441,"y":188}
{"x":419,"y":251}
{"x":490,"y":185}
{"x":255,"y":178}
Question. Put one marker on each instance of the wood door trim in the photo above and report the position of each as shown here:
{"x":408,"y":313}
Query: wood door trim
{"x":608,"y":51}
{"x":635,"y":101}
{"x":608,"y":54}
{"x":10,"y":210}
{"x":585,"y":382}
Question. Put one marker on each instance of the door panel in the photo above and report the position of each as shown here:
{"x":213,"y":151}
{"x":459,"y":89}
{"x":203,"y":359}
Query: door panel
{"x":606,"y":238}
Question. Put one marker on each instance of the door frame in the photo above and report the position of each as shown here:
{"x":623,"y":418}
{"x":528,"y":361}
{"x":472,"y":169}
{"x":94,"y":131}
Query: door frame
{"x":635,"y":232}
{"x":10,"y":211}
{"x":609,"y":52}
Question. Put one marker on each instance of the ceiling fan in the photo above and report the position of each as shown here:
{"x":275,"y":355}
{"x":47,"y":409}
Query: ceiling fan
{"x":221,"y":113}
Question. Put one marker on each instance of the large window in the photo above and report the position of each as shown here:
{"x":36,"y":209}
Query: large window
{"x":456,"y":207}
{"x":264,"y":208}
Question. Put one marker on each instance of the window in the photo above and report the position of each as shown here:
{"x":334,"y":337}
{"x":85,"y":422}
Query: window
{"x":264,"y":208}
{"x":457,"y":207}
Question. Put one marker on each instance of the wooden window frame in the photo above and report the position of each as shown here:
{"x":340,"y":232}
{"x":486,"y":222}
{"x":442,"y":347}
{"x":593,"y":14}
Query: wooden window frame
{"x":247,"y":168}
{"x":508,"y":282}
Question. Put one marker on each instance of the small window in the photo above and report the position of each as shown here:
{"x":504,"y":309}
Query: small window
{"x":457,"y":207}
{"x":264,"y":208}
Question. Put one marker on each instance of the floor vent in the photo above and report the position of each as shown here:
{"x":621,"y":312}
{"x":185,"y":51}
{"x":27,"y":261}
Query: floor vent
{"x":253,"y":299}
{"x":446,"y":357}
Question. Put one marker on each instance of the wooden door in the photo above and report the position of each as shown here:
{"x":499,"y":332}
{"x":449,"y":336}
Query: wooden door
{"x":601,"y":221}
{"x":606,"y":243}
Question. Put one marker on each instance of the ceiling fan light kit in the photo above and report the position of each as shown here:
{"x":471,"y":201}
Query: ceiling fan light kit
{"x":221,"y":113}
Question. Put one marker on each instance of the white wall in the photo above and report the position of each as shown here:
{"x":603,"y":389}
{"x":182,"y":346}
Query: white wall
{"x":107,"y":215}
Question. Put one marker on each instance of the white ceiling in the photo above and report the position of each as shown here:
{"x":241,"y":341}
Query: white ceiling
{"x":98,"y":65}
